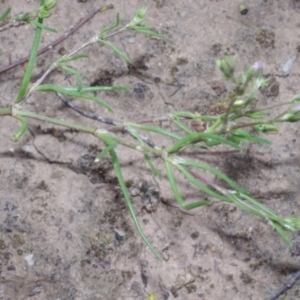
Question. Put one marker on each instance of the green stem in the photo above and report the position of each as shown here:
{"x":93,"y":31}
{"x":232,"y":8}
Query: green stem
{"x":32,"y":60}
{"x":227,"y":112}
{"x":215,"y":125}
{"x":137,"y":146}
{"x":250,"y":124}
{"x":5,"y":111}
{"x":268,"y":107}
{"x":103,"y":135}
{"x":128,"y":202}
{"x":32,"y":115}
{"x":21,"y":131}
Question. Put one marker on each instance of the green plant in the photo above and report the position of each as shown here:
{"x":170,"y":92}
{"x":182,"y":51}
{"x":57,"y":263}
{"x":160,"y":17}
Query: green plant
{"x":236,"y":113}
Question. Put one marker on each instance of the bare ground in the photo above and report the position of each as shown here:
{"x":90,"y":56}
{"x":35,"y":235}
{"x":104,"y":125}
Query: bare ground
{"x":65,"y":232}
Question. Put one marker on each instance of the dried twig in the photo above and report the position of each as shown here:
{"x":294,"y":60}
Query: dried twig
{"x":70,"y":31}
{"x":119,"y":125}
{"x":286,"y":286}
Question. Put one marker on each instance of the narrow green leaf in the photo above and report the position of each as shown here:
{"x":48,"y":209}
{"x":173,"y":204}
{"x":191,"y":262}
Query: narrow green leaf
{"x":64,"y":59}
{"x":152,"y":166}
{"x":136,"y":135}
{"x":189,"y":115}
{"x":249,"y":101}
{"x":5,"y":14}
{"x":24,"y":17}
{"x":76,"y":94}
{"x":263,"y":212}
{"x":176,"y":192}
{"x":283,"y":234}
{"x":105,"y":151}
{"x":200,"y":185}
{"x":216,"y":172}
{"x":73,"y":72}
{"x":267,"y":128}
{"x":156,"y":130}
{"x":31,"y":63}
{"x":262,"y":208}
{"x":128,"y":202}
{"x":220,"y":140}
{"x":256,"y":115}
{"x":22,"y":130}
{"x":200,"y":137}
{"x":193,"y":205}
{"x":173,"y":184}
{"x":182,"y":127}
{"x":240,"y":133}
{"x":256,"y":139}
{"x":146,"y":30}
{"x":110,"y":27}
{"x":245,"y":206}
{"x":282,"y":226}
{"x":99,"y":88}
{"x":39,"y":25}
{"x":116,"y":50}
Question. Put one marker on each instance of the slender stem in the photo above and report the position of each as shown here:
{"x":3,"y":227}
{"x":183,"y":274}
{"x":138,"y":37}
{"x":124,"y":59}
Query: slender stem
{"x":54,"y":65}
{"x":130,"y":144}
{"x":32,"y":59}
{"x":243,"y":125}
{"x":22,"y":129}
{"x":128,"y":202}
{"x":5,"y":111}
{"x":35,"y":116}
{"x":94,"y":40}
{"x":98,"y":133}
{"x":209,"y":183}
{"x":116,"y":32}
{"x":40,"y":80}
{"x":268,"y":107}
{"x":91,"y":41}
{"x":61,"y":38}
{"x":217,"y":123}
{"x":227,"y":112}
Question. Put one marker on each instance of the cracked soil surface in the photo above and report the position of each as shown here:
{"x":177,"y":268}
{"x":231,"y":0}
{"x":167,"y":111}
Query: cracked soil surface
{"x":65,"y":232}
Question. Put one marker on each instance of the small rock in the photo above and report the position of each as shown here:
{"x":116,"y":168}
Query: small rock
{"x":29,"y":259}
{"x":35,"y":291}
{"x":131,"y":40}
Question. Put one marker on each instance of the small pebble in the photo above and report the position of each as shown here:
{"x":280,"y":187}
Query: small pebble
{"x":69,"y":235}
{"x":27,"y":149}
{"x":195,"y":235}
{"x":29,"y":259}
{"x":288,"y":65}
{"x":131,"y":40}
{"x":213,"y":249}
{"x":35,"y":291}
{"x":243,"y":10}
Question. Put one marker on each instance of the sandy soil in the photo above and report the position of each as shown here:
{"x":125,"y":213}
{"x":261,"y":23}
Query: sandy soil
{"x":65,"y":232}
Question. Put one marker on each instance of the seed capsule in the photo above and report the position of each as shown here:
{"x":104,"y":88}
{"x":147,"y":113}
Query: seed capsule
{"x":62,"y":51}
{"x":243,"y":9}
